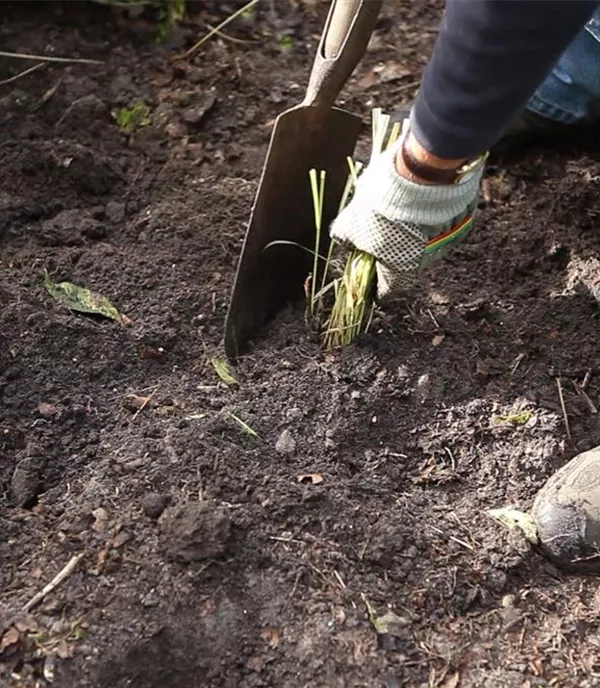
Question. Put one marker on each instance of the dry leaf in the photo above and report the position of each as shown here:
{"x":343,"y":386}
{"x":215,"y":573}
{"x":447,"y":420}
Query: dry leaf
{"x":272,"y":636}
{"x":367,"y":80}
{"x":312,"y":478}
{"x":438,"y":339}
{"x":391,"y":71}
{"x":11,"y":637}
{"x":451,"y":682}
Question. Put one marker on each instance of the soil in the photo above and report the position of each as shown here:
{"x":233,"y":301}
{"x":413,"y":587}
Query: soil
{"x":210,"y":556}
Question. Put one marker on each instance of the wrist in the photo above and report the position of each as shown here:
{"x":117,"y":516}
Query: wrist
{"x":417,"y":164}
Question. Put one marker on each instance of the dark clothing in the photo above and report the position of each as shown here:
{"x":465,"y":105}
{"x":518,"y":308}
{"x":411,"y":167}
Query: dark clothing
{"x":489,"y":59}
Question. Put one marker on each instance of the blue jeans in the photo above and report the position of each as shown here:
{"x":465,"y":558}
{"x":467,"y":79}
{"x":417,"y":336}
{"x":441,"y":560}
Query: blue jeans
{"x":571,"y":93}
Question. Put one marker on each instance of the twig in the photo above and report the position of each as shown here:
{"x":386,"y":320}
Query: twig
{"x":454,"y":539}
{"x":586,"y":379}
{"x":55,"y":582}
{"x":227,"y":37}
{"x":20,"y":75}
{"x":579,"y":389}
{"x":517,"y":362}
{"x":216,"y":30}
{"x":563,"y":406}
{"x":341,"y":582}
{"x":47,"y":58}
{"x":145,"y":403}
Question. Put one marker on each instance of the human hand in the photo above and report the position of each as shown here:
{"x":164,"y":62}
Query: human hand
{"x":404,"y":223}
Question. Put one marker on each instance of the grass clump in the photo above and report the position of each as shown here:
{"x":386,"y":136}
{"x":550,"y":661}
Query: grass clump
{"x":342,"y":308}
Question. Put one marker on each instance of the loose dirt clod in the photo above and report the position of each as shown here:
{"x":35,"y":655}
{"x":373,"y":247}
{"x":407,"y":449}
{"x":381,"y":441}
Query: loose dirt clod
{"x":195,"y":531}
{"x":154,"y":504}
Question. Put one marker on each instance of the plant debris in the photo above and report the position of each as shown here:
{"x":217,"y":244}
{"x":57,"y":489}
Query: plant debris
{"x":224,"y":371}
{"x":82,"y":299}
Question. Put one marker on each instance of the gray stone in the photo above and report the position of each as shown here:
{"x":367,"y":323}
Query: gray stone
{"x":286,"y":444}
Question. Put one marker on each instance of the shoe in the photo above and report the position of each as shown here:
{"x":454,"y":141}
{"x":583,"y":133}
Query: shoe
{"x":526,"y":129}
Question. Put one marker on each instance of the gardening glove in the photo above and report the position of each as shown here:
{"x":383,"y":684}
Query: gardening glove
{"x":405,"y":225}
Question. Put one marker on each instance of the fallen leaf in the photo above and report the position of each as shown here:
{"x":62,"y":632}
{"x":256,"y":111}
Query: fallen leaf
{"x":481,"y":368}
{"x":513,"y":518}
{"x":515,"y":419}
{"x":438,"y":339}
{"x":27,"y":624}
{"x":224,"y":371}
{"x":367,"y":80}
{"x":387,"y":624}
{"x":312,"y":478}
{"x":82,"y":299}
{"x":11,"y":637}
{"x":391,"y":71}
{"x":272,"y":636}
{"x":451,"y":682}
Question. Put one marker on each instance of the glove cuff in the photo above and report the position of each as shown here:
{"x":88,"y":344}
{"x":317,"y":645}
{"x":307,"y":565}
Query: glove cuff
{"x":401,"y":200}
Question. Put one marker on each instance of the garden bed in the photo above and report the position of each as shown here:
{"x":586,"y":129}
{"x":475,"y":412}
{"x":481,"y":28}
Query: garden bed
{"x":370,"y":471}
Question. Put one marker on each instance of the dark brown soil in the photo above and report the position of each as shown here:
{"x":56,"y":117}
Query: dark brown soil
{"x":254,"y":576}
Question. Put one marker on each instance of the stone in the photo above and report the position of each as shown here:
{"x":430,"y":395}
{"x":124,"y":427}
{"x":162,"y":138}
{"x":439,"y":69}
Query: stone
{"x":286,"y":444}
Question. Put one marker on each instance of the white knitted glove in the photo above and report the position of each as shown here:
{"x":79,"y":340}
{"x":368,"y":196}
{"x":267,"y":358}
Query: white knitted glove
{"x":405,"y":225}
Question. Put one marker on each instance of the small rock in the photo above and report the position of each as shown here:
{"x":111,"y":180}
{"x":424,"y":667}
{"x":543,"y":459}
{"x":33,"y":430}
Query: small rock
{"x":154,"y":504}
{"x":195,"y":531}
{"x":151,"y":599}
{"x":508,"y":601}
{"x":115,"y":211}
{"x":194,"y":116}
{"x":286,"y":444}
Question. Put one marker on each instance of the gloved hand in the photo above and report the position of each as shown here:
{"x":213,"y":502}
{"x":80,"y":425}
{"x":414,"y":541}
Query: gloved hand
{"x":402,"y":224}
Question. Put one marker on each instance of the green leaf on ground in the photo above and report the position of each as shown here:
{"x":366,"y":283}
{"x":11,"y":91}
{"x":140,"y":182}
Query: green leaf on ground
{"x":134,"y":118}
{"x":82,"y":299}
{"x":516,"y":419}
{"x":224,"y":371}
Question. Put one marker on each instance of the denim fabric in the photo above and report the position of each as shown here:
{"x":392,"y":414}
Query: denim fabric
{"x":571,"y":93}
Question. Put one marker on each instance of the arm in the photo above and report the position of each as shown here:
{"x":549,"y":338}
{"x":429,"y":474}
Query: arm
{"x":489,"y":58}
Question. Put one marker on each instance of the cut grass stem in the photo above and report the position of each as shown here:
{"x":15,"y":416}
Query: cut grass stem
{"x":353,"y":305}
